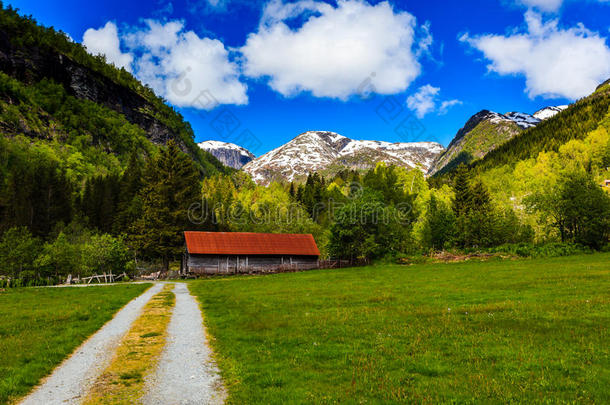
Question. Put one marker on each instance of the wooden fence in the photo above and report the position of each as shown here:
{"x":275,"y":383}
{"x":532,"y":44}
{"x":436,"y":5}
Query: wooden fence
{"x":275,"y":268}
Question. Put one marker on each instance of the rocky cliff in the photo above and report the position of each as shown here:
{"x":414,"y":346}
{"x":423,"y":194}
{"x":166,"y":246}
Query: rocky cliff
{"x":31,"y":53}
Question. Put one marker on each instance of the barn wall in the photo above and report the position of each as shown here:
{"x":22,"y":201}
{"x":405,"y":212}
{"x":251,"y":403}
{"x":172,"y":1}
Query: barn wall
{"x":223,"y":264}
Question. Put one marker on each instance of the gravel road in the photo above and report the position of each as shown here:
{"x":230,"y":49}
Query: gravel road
{"x":71,"y":380}
{"x":186,"y":373}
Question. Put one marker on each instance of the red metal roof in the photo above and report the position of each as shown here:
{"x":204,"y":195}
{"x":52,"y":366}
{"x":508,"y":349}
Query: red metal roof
{"x":246,"y":243}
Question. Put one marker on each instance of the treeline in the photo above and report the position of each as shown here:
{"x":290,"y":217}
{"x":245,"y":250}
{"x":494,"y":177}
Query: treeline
{"x":52,"y":226}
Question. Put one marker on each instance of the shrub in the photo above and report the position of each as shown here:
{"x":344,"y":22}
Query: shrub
{"x":555,"y":249}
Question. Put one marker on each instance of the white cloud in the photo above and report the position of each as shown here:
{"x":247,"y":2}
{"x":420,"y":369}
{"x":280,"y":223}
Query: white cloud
{"x":335,"y":49}
{"x":105,"y":41}
{"x":181,"y":66}
{"x":555,"y":62}
{"x":550,"y":6}
{"x":425,"y":101}
{"x":446,"y":105}
{"x":422,"y":102}
{"x":543,"y":5}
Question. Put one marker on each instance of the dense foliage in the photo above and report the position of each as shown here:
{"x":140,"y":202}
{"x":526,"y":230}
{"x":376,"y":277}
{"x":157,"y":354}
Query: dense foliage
{"x":54,"y":224}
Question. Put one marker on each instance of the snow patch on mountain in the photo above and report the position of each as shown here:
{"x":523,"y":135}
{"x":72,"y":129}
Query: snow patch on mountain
{"x":228,"y":153}
{"x":323,"y":150}
{"x":477,"y":137}
{"x":524,"y":120}
{"x":549,"y":112}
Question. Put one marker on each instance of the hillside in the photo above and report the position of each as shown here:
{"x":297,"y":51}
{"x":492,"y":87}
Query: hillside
{"x":574,"y":123}
{"x":486,"y":131}
{"x":52,"y":89}
{"x":329,"y":153}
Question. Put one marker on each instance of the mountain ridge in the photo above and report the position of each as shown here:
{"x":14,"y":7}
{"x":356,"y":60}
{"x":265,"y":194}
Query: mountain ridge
{"x":329,"y":151}
{"x":486,"y":131}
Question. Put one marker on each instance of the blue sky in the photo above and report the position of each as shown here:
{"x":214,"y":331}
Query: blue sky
{"x":393,"y":71}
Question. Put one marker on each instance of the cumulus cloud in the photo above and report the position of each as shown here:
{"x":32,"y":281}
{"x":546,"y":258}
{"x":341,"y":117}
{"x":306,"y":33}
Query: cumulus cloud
{"x":422,"y":102}
{"x":105,"y":41}
{"x":555,"y":62}
{"x":446,"y":105}
{"x":425,"y":100}
{"x":189,"y":71}
{"x":311,"y":46}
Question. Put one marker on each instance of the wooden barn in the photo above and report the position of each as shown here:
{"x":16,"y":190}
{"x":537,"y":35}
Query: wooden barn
{"x":244,"y":252}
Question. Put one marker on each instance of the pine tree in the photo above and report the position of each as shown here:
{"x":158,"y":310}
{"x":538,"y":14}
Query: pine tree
{"x":463,"y":192}
{"x":129,"y":202}
{"x":479,"y":198}
{"x":171,"y":186}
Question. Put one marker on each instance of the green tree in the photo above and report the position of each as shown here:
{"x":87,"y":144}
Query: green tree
{"x":578,"y":208}
{"x":171,"y":187}
{"x":366,"y":228}
{"x":106,"y":254}
{"x":463,"y":192}
{"x":18,"y":251}
{"x":129,"y":203}
{"x":439,"y":225}
{"x":61,"y":257}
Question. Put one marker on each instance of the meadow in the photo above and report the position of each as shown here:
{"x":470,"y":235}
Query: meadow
{"x":39,"y":327}
{"x":500,"y":331}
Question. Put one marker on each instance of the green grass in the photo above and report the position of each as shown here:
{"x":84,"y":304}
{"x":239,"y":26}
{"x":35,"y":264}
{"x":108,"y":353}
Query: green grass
{"x":39,"y":327}
{"x":495,"y":332}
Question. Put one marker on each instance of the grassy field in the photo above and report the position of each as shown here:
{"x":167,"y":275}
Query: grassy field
{"x":39,"y":327}
{"x":502,"y":331}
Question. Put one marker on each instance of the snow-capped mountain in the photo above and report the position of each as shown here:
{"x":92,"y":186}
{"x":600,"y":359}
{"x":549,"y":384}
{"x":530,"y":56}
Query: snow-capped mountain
{"x":549,"y":112}
{"x":330,"y":152}
{"x":485,"y":131}
{"x":524,"y":120}
{"x":228,"y":153}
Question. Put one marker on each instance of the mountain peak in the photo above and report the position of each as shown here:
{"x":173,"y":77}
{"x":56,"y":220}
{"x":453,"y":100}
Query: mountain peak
{"x":548,"y":112}
{"x":485,"y":131}
{"x":330,"y":152}
{"x":229,"y":154}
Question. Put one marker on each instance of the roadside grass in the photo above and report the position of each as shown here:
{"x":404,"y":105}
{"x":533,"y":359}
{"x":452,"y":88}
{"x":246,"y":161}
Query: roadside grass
{"x":123,"y":380}
{"x":39,"y":327}
{"x":499,"y":332}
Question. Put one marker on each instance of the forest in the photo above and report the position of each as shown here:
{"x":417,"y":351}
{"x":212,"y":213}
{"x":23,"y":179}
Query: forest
{"x":52,"y":228}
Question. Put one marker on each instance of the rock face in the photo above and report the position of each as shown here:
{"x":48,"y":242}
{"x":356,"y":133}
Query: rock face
{"x":228,"y":153}
{"x":329,"y":152}
{"x":33,"y":63}
{"x":485,"y":131}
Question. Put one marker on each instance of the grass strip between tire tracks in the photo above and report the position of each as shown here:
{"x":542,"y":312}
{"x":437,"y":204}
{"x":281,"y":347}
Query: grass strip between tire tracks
{"x":137,"y":355}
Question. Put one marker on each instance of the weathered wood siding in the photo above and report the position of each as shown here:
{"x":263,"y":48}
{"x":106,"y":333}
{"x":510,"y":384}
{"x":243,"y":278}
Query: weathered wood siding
{"x":231,"y":264}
